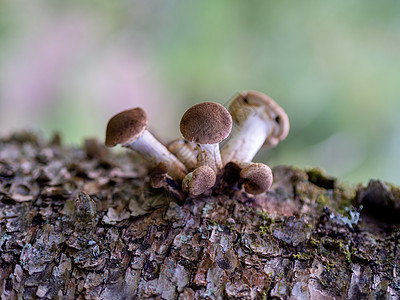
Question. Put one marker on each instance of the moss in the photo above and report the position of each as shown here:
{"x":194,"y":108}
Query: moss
{"x":347,"y":253}
{"x":302,"y":256}
{"x":264,"y":294}
{"x":344,"y":205}
{"x":329,"y":265}
{"x":265,"y":229}
{"x":319,"y":178}
{"x":264,"y":215}
{"x":323,"y":200}
{"x":314,"y":242}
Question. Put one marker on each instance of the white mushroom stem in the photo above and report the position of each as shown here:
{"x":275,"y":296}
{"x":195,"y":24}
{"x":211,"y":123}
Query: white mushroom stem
{"x":246,"y":139}
{"x":209,"y":155}
{"x":185,"y":152}
{"x":155,"y":152}
{"x":188,"y":157}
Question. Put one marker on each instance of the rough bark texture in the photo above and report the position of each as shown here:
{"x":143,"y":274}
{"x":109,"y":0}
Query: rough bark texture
{"x":83,"y":223}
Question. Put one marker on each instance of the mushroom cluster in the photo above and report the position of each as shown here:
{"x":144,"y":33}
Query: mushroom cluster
{"x":252,"y":121}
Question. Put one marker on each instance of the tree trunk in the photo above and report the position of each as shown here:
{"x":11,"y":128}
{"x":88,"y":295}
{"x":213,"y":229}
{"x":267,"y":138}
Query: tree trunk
{"x":84,"y":223}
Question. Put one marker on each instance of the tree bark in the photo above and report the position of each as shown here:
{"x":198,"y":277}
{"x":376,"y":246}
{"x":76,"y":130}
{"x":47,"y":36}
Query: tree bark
{"x":84,"y":223}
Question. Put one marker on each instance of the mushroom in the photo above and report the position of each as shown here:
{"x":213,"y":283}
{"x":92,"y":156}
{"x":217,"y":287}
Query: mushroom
{"x":258,"y":121}
{"x":199,"y":181}
{"x":128,"y":128}
{"x":207,"y":124}
{"x":257,"y":178}
{"x":185,"y":151}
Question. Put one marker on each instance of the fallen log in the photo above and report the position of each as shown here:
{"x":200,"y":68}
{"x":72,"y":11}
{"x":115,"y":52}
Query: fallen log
{"x":85,"y":224}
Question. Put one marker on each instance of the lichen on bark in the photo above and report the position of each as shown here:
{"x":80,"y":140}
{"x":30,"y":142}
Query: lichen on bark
{"x":84,"y":223}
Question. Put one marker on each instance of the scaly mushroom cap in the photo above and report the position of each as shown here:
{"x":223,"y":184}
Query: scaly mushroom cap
{"x":202,"y":179}
{"x":243,"y":104}
{"x":257,"y":178}
{"x":206,"y":123}
{"x":125,"y":127}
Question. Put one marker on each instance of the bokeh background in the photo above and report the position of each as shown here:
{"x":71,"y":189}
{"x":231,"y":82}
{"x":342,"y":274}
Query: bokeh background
{"x":334,"y":66}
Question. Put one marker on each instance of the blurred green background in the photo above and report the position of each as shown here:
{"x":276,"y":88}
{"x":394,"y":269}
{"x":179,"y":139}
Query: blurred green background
{"x":334,"y":66}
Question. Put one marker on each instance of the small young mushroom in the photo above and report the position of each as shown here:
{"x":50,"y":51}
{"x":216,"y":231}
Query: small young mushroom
{"x":199,"y":181}
{"x":257,"y":121}
{"x":128,"y":128}
{"x":207,"y":124}
{"x":257,"y":178}
{"x":185,"y":151}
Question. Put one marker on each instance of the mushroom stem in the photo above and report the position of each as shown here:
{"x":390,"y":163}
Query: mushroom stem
{"x":185,"y":152}
{"x":207,"y":124}
{"x":209,"y":155}
{"x":155,"y":152}
{"x":258,"y":121}
{"x":246,"y":140}
{"x":128,"y":129}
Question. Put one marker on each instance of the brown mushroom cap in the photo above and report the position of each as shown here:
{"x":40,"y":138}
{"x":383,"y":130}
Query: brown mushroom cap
{"x":203,"y":179}
{"x":126,"y":126}
{"x":257,"y":178}
{"x":206,"y":123}
{"x":272,"y":110}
